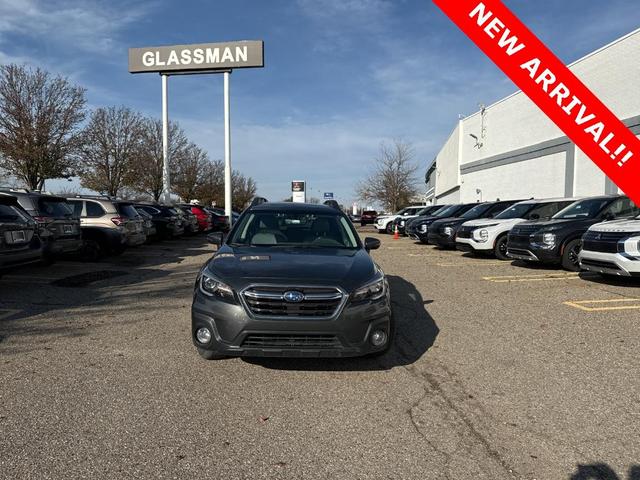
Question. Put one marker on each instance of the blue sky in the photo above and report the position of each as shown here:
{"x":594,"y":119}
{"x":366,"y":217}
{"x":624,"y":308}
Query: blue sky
{"x":340,"y":76}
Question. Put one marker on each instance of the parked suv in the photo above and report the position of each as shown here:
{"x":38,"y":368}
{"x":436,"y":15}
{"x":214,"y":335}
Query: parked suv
{"x":559,"y":240}
{"x":402,"y":222}
{"x":385,"y":223}
{"x":368,"y":217}
{"x":19,"y":240}
{"x":166,"y":219}
{"x":612,"y":248}
{"x":419,"y":226}
{"x":489,"y":236}
{"x":58,"y":229}
{"x":443,"y":232}
{"x":108,"y":225}
{"x":203,"y":217}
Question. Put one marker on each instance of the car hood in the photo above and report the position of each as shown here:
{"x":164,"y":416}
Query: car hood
{"x":559,"y":223}
{"x":241,"y":267}
{"x":448,"y":221}
{"x":424,"y":218}
{"x":617,"y":226}
{"x":493,"y":221}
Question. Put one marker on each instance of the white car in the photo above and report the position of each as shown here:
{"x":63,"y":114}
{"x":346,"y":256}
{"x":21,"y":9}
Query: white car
{"x":489,"y":235}
{"x":612,"y":248}
{"x":385,"y":223}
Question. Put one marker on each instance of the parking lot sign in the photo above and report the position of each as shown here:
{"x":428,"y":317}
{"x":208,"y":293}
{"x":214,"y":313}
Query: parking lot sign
{"x":328,"y":195}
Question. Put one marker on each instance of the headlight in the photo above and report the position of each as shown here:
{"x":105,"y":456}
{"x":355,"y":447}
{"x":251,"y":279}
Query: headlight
{"x":423,"y":228}
{"x":373,"y":291}
{"x":631,"y":246}
{"x":402,"y":222}
{"x":448,"y":231}
{"x":211,"y":286}
{"x":482,"y":235}
{"x":549,"y":239}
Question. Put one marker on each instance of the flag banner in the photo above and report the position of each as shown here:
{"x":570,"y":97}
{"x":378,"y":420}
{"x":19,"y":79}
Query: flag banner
{"x":552,"y":87}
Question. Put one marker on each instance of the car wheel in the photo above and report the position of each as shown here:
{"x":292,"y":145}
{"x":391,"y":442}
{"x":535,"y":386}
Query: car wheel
{"x":500,"y":249}
{"x":362,"y":224}
{"x":92,"y":250}
{"x":389,"y":228}
{"x":209,"y":355}
{"x":119,"y":250}
{"x":570,"y":255}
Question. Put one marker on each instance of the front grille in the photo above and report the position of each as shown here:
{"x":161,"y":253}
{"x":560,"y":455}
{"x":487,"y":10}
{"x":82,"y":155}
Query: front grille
{"x":268,"y":301}
{"x":466,"y":232}
{"x":606,"y":242}
{"x":598,"y":264}
{"x":522,"y":233}
{"x":309,"y":341}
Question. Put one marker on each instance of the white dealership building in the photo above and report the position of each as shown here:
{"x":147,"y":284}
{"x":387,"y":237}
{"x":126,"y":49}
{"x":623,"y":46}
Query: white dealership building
{"x":512,"y":150}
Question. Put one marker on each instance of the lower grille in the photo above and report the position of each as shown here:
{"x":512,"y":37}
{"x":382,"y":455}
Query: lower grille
{"x":291,"y":341}
{"x":269,"y":301}
{"x":599,"y":264}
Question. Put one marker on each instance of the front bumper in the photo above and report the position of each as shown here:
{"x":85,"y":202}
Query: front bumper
{"x":609,"y":263}
{"x":236,"y":333}
{"x":532,"y":252}
{"x":135,"y":239}
{"x":441,"y":240}
{"x":470,"y":245}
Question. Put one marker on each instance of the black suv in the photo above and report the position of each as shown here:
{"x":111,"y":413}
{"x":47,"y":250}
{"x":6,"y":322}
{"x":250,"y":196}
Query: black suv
{"x":421,"y":227}
{"x":559,"y":240}
{"x":58,"y":228}
{"x":292,"y":280}
{"x":443,"y":232}
{"x":167,"y":220}
{"x":402,"y":223}
{"x":19,"y":240}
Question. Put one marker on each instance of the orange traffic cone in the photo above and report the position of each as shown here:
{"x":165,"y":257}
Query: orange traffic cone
{"x":396,"y":235}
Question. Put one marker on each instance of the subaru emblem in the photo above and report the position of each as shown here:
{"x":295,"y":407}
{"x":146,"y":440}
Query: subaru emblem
{"x":293,"y":296}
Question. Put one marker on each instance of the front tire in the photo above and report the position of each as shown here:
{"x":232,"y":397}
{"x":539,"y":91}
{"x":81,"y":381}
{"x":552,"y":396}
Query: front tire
{"x":500,"y":248}
{"x":209,"y":355}
{"x":389,"y":228}
{"x":570,"y":255}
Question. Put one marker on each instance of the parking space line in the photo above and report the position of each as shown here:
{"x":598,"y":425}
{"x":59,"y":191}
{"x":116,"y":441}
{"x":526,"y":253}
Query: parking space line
{"x":581,"y":304}
{"x":544,"y":277}
{"x":472,"y":263}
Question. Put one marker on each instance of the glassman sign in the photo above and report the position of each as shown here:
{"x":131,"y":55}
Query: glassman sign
{"x":197,"y":57}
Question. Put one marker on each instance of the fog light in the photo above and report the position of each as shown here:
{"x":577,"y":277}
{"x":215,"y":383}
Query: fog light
{"x":378,"y":338}
{"x":203,"y":335}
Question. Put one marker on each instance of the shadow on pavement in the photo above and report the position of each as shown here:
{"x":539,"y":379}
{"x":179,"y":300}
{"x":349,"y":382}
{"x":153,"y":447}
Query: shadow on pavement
{"x":602,"y":471}
{"x":416,"y":332}
{"x":631,"y":282}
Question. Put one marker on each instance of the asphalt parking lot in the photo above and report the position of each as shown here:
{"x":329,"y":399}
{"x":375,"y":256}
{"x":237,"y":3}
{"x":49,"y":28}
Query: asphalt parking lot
{"x":498,"y":372}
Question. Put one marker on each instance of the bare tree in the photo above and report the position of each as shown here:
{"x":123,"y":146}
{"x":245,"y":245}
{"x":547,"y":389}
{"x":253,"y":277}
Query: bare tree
{"x":40,"y":118}
{"x":112,"y":146}
{"x":393,"y":180}
{"x":212,"y":187}
{"x":147,"y":174}
{"x":190,"y":170}
{"x":243,"y":190}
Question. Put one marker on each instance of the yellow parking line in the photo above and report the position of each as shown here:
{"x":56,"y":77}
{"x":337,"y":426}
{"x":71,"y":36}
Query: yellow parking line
{"x":544,"y":277}
{"x":581,"y":304}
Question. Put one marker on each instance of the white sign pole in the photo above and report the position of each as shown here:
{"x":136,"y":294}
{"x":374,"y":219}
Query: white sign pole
{"x":227,"y":151}
{"x":166,"y":182}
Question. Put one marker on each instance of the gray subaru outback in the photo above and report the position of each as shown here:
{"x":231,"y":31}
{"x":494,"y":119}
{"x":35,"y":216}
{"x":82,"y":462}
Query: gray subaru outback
{"x":292,"y":280}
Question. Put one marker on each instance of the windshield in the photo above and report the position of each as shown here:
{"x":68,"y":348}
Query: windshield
{"x":589,"y":208}
{"x":52,"y":207}
{"x":477,"y":211}
{"x":445,"y":212}
{"x":428,"y":211}
{"x":127,"y":210}
{"x":519,"y":210}
{"x":10,"y":214}
{"x":294,"y":229}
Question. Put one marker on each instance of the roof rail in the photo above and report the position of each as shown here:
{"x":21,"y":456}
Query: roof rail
{"x":17,"y":190}
{"x":97,"y":197}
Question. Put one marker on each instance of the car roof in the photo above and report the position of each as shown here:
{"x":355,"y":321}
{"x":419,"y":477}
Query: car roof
{"x":7,"y":199}
{"x":293,"y":207}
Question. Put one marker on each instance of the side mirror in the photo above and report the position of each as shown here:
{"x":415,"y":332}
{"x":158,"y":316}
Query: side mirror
{"x":215,"y":238}
{"x":534,"y":216}
{"x":371,"y":244}
{"x":607,"y":217}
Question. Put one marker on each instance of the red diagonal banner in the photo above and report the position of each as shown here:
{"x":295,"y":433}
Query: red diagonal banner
{"x":552,"y":87}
